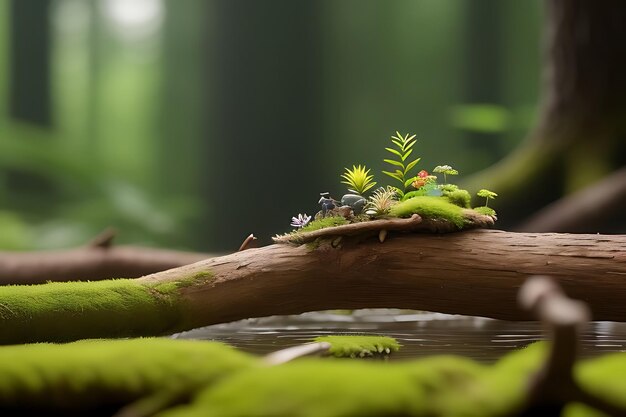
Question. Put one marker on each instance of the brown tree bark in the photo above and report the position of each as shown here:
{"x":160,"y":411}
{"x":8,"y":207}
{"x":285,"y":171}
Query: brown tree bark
{"x":581,"y":125}
{"x":473,"y":272}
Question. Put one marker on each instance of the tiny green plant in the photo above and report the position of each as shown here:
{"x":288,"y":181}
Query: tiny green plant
{"x":487,"y":195}
{"x":403,"y":149}
{"x":381,"y":202}
{"x":358,"y":179}
{"x":445,"y":170}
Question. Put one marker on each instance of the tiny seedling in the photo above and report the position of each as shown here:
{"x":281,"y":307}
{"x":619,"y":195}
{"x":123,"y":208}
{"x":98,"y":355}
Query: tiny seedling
{"x":445,"y":170}
{"x":487,"y":195}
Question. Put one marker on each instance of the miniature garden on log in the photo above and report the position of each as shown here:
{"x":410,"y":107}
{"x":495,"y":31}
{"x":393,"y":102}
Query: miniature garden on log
{"x":426,"y":203}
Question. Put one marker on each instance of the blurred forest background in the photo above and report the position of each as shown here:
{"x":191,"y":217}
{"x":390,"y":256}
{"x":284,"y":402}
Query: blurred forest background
{"x":190,"y":124}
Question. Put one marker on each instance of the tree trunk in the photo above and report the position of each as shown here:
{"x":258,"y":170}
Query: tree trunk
{"x":474,"y":272}
{"x":579,"y":135}
{"x":30,"y":62}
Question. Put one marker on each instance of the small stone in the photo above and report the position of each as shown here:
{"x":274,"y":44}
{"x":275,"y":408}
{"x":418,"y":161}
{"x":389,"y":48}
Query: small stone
{"x":355,"y":201}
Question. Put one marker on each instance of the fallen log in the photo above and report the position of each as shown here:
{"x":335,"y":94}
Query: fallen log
{"x":475,"y":272}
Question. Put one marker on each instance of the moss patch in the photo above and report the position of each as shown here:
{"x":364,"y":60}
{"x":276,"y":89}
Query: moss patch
{"x":170,"y":287}
{"x":66,"y":311}
{"x":92,"y":374}
{"x":324,"y":223}
{"x":459,"y":198}
{"x":359,"y":346}
{"x":318,"y":224}
{"x":318,"y":388}
{"x":501,"y":389}
{"x":487,"y":211}
{"x":223,"y":382}
{"x":430,"y":207}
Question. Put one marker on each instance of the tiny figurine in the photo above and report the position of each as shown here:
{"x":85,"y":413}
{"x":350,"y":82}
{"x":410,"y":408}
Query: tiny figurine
{"x":327,"y":203}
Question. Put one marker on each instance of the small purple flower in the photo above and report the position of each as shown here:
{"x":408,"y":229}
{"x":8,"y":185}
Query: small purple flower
{"x":300,"y":221}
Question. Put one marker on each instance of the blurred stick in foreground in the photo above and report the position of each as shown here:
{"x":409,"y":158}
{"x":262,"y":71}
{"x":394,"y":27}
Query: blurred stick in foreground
{"x":554,"y":386}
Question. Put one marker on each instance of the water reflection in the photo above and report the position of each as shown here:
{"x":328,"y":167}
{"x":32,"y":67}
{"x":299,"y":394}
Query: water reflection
{"x":421,"y":334}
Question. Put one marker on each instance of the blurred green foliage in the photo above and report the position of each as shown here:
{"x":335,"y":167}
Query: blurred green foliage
{"x":132,"y":143}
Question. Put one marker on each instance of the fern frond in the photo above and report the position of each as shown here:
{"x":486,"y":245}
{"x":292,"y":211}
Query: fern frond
{"x":403,"y":150}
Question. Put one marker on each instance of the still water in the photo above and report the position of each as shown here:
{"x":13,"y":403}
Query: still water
{"x":421,"y":334}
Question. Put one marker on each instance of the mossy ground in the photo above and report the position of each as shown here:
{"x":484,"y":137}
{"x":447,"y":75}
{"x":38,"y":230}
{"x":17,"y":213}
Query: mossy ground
{"x":317,"y":388}
{"x":430,"y":207}
{"x":66,"y":311}
{"x":227,"y":383}
{"x":91,"y":374}
{"x":359,"y":346}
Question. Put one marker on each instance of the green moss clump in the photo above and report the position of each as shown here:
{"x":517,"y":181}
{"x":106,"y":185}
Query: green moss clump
{"x":170,"y":287}
{"x":604,"y":378}
{"x":487,"y":211}
{"x":96,"y":373}
{"x":89,"y":375}
{"x":359,"y":346}
{"x":323,"y":223}
{"x":448,"y":188}
{"x":67,"y":311}
{"x":502,"y":388}
{"x":461,"y":198}
{"x":167,"y":287}
{"x":318,"y":388}
{"x":201,"y":276}
{"x":430,"y":207}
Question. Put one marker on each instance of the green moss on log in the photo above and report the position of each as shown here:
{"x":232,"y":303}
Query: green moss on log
{"x":487,"y":211}
{"x":430,"y":207}
{"x":317,"y":388}
{"x":223,"y":382}
{"x":66,"y":311}
{"x":359,"y":346}
{"x":323,"y":223}
{"x":461,"y":198}
{"x":93,"y":374}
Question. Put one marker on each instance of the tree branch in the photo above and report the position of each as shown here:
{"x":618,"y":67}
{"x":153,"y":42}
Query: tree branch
{"x":96,"y":261}
{"x":473,"y":272}
{"x":585,"y":210}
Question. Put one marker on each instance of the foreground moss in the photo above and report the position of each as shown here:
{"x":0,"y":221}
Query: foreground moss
{"x":93,"y":374}
{"x":438,"y":386}
{"x":66,"y":311}
{"x":315,"y":388}
{"x":226,"y":383}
